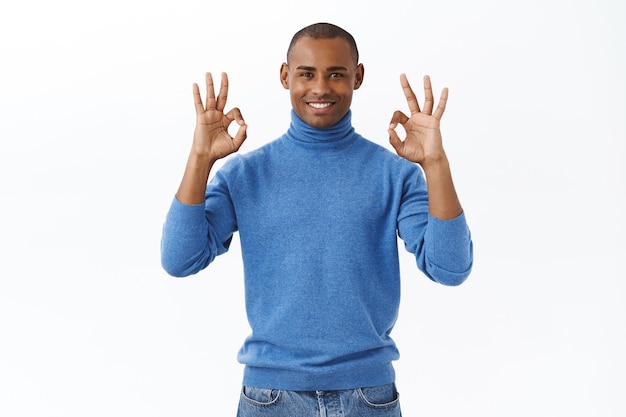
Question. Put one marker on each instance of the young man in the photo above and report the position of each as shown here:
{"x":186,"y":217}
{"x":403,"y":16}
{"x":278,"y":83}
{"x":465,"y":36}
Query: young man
{"x":318,"y":212}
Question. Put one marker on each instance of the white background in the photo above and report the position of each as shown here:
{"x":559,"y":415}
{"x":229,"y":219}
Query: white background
{"x":96,"y":119}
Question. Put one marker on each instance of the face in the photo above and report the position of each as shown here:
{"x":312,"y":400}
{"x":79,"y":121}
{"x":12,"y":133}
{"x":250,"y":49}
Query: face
{"x":321,"y":76}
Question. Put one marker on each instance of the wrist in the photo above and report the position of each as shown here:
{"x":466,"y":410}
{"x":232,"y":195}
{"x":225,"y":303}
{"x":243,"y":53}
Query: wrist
{"x":201,"y":158}
{"x":436,"y":162}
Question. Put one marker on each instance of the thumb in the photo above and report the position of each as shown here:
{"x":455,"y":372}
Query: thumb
{"x":395,"y":141}
{"x":240,"y":136}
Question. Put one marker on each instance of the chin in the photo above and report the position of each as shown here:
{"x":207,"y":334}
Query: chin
{"x":320,"y":125}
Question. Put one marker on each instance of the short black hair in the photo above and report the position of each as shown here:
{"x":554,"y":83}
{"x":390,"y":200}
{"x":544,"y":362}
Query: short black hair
{"x":325,"y":31}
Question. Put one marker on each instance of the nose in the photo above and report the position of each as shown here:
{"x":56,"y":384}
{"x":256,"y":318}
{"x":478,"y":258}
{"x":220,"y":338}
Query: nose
{"x":321,"y":86}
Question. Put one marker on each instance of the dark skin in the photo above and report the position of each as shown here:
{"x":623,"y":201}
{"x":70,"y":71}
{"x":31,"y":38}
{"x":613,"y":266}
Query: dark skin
{"x":321,"y":77}
{"x":423,"y":144}
{"x":211,"y":140}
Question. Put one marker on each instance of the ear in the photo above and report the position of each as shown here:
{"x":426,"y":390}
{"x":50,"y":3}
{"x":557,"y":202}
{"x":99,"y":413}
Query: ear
{"x":358,"y":78}
{"x":284,"y":75}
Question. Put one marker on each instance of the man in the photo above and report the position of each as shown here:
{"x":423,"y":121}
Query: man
{"x":318,"y":212}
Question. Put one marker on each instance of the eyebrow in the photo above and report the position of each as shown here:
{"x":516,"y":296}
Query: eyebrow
{"x":307,"y":68}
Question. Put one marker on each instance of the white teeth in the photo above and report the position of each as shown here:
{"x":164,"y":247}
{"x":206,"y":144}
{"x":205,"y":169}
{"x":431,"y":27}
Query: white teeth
{"x":319,"y":105}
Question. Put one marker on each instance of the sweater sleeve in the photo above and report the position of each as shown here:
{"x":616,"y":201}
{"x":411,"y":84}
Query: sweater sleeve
{"x":193,"y":235}
{"x":443,"y":248}
{"x":448,"y":254}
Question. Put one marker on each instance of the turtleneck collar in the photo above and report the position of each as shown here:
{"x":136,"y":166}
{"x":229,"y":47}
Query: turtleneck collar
{"x":301,"y":132}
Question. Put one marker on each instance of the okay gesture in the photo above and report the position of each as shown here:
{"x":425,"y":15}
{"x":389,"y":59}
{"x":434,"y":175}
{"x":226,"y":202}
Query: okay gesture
{"x":211,"y":137}
{"x":423,"y":143}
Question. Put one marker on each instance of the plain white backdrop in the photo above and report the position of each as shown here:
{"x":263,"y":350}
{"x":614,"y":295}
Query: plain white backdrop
{"x":96,"y":119}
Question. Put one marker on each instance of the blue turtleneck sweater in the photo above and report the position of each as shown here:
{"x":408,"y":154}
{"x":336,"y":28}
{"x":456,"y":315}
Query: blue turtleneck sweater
{"x":318,"y":212}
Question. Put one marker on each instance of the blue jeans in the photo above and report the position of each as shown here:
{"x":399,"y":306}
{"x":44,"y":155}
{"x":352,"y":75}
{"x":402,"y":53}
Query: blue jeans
{"x":380,"y":401}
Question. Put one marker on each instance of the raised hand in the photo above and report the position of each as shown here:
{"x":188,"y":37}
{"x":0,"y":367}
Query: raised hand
{"x":423,"y":143}
{"x":211,"y":137}
{"x":211,"y":140}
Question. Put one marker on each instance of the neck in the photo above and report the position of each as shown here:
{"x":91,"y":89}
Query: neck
{"x":302,"y":132}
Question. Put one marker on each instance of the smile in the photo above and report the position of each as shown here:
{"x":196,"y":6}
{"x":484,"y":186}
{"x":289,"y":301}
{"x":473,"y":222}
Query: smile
{"x":320,"y":105}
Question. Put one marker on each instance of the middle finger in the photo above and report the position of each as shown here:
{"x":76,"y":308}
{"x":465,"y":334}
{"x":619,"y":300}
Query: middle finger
{"x":411,"y":100}
{"x":223,"y":94}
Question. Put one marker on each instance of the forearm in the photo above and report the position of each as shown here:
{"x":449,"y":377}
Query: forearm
{"x":185,"y":248}
{"x":193,"y":185}
{"x":200,"y":223}
{"x":442,"y":247}
{"x":443,"y":202}
{"x":447,"y":257}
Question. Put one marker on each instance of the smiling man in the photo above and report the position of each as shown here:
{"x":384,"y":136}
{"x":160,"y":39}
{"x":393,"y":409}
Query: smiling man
{"x":318,"y":212}
{"x":321,"y":75}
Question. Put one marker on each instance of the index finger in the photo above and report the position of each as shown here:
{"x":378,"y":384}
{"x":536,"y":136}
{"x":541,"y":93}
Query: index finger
{"x":411,"y":99}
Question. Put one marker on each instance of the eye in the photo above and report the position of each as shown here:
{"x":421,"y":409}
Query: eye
{"x":306,"y":74}
{"x":336,"y":75}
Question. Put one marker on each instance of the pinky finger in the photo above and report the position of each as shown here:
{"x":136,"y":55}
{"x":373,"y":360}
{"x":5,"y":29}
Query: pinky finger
{"x":197,"y":99}
{"x":441,"y":107}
